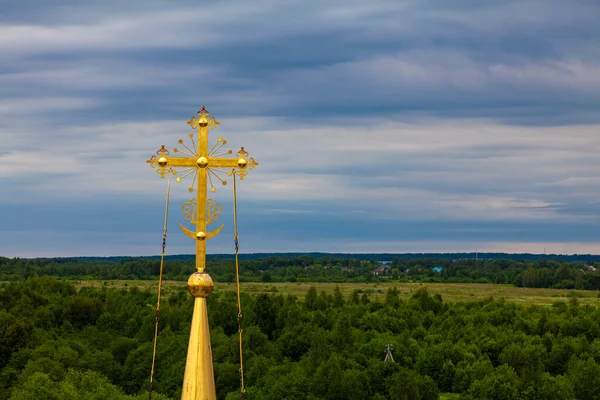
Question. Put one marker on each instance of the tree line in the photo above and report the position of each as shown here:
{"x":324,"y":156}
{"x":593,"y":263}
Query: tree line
{"x":541,"y":273}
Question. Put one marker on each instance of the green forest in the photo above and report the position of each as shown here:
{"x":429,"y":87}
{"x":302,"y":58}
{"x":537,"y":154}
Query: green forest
{"x":59,"y":342}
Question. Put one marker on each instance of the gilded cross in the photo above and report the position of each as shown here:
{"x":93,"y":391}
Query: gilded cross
{"x":205,"y":164}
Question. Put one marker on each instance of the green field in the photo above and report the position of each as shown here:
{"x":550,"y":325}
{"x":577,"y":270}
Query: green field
{"x":450,"y":292}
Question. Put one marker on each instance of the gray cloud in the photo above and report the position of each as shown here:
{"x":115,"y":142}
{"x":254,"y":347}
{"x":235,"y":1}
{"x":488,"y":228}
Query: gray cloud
{"x":460,"y":122}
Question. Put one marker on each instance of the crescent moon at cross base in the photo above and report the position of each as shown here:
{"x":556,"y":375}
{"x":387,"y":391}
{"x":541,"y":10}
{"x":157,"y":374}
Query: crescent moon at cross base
{"x":192,"y":235}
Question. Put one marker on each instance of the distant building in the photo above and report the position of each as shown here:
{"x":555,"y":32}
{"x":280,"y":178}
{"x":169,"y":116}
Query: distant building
{"x":437,"y":269}
{"x":380,"y":270}
{"x":590,"y":267}
{"x":385,"y":262}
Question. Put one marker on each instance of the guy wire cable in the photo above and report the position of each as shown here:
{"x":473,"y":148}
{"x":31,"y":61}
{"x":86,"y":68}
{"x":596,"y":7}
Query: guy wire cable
{"x":237,"y":286}
{"x":162,"y":263}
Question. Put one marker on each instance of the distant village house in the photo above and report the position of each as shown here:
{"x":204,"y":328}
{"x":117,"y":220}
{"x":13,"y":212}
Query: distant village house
{"x":380,"y":270}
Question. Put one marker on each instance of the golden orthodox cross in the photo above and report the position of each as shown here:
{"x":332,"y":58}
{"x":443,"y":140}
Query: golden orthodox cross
{"x":206,"y":165}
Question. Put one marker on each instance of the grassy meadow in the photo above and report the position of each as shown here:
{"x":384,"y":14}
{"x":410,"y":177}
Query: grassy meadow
{"x":450,"y":292}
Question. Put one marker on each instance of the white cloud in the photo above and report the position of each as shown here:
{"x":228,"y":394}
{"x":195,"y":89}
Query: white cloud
{"x":577,"y":73}
{"x":444,"y":77}
{"x":446,"y":169}
{"x":178,"y":26}
{"x":103,"y":75}
{"x":39,"y":105}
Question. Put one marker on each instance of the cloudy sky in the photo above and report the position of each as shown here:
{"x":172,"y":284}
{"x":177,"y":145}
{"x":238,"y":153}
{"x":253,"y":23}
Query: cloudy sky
{"x":380,"y":126}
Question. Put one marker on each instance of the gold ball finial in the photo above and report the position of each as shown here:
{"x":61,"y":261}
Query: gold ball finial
{"x":202,"y":162}
{"x":203,"y":120}
{"x":242,"y":162}
{"x":200,"y":284}
{"x":162,"y":161}
{"x":201,"y":235}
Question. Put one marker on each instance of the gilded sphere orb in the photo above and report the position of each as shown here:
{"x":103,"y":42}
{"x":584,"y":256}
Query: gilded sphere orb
{"x":200,"y":284}
{"x":201,"y":236}
{"x":203,"y":122}
{"x":242,"y":162}
{"x":162,"y":161}
{"x":202,"y":162}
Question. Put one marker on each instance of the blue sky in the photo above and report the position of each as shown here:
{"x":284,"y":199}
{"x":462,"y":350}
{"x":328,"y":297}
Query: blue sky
{"x":380,"y":126}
